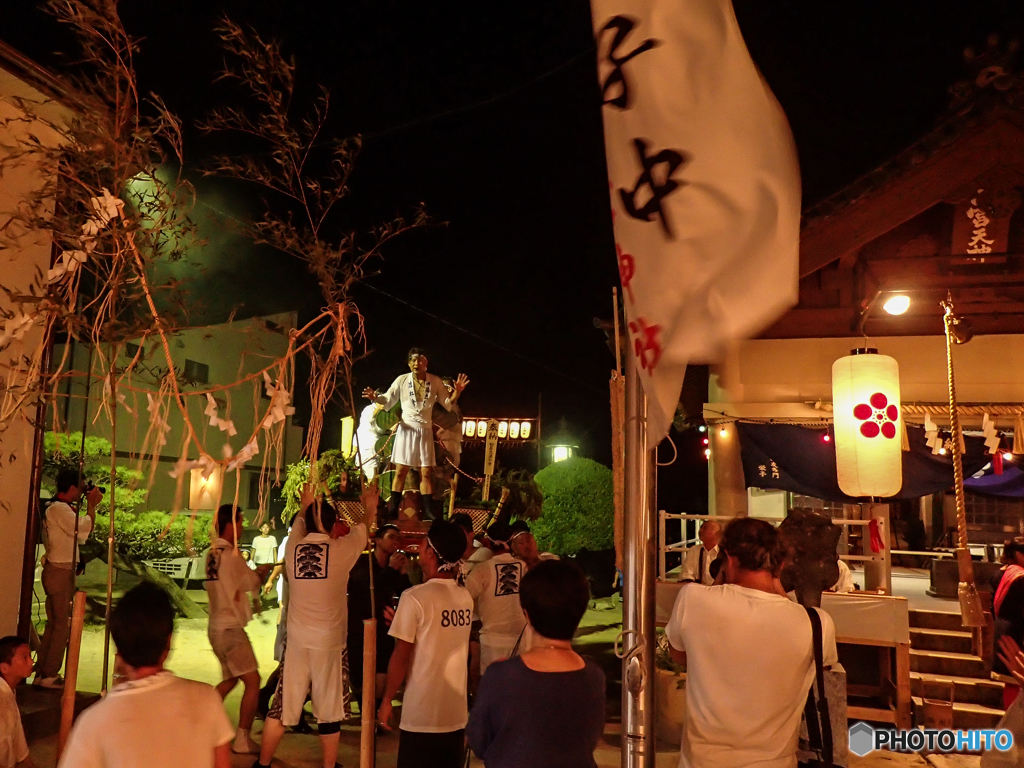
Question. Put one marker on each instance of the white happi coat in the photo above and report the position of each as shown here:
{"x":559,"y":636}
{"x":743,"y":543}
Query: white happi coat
{"x":414,"y":441}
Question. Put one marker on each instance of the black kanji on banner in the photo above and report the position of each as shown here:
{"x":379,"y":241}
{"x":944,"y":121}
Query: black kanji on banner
{"x":659,"y":190}
{"x":622,"y":25}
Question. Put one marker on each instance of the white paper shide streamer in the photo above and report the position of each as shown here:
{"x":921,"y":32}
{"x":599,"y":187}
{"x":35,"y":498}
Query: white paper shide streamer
{"x":704,"y":183}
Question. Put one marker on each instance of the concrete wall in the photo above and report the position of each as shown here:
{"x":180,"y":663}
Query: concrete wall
{"x":232,"y":351}
{"x":19,"y":267}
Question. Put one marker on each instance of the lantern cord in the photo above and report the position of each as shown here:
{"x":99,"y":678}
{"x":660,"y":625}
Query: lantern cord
{"x":674,"y":457}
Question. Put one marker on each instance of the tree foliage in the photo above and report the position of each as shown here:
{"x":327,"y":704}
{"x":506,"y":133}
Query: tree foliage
{"x":524,"y":498}
{"x":64,"y":451}
{"x":578,"y":509}
{"x":333,"y":473}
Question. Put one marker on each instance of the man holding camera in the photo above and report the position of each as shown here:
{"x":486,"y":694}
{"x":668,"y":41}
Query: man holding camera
{"x":59,"y":564}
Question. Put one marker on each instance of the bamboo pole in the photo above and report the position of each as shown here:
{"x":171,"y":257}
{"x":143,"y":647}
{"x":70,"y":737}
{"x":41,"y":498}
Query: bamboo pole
{"x":110,"y":531}
{"x":67,"y":701}
{"x":368,"y":707}
{"x":451,"y":498}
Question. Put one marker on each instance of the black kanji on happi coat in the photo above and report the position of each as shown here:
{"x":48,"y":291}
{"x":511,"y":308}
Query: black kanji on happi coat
{"x":672,"y":160}
{"x":622,"y":25}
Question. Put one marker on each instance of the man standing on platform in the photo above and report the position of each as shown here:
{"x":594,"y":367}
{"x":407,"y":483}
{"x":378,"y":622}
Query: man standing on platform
{"x":414,"y":440}
{"x":698,"y":560}
{"x":59,"y":567}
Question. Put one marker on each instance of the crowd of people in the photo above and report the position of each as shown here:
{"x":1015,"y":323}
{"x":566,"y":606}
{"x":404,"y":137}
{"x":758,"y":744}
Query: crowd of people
{"x":487,"y":619}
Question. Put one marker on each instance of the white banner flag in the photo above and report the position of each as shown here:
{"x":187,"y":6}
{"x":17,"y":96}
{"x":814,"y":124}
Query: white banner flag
{"x":704,"y":182}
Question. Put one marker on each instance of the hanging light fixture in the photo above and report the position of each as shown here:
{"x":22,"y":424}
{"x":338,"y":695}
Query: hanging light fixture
{"x":513,"y":430}
{"x":524,"y":430}
{"x":866,"y":408}
{"x":481,"y":428}
{"x":469,"y":428}
{"x":502,"y":429}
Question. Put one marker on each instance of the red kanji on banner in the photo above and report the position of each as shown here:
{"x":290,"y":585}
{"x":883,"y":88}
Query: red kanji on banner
{"x":646,"y":345}
{"x":627,"y":268}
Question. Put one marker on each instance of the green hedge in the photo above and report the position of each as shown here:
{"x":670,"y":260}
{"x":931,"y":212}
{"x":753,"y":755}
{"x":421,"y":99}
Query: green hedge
{"x":578,"y":510}
{"x":139,"y":535}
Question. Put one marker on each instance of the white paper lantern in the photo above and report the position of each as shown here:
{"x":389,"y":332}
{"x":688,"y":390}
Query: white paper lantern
{"x":866,"y":408}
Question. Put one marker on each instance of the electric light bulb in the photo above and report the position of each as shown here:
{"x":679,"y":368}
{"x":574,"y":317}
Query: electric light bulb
{"x":826,"y":438}
{"x":1007,"y":456}
{"x":702,"y":428}
{"x":707,"y":453}
{"x":942,"y":451}
{"x":723,"y":432}
{"x":705,"y":441}
{"x":897,"y":305}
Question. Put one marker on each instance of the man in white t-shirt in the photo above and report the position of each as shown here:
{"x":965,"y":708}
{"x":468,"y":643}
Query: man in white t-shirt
{"x":431,"y":630}
{"x":494,"y":587}
{"x":264,"y":547}
{"x":315,"y":658}
{"x":59,"y":566}
{"x":229,"y":582}
{"x":15,"y":666}
{"x":697,"y":560}
{"x":153,"y":718}
{"x":749,"y":656}
{"x":414,"y":439}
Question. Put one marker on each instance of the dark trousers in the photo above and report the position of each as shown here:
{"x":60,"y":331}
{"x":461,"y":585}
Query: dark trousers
{"x":431,"y":750}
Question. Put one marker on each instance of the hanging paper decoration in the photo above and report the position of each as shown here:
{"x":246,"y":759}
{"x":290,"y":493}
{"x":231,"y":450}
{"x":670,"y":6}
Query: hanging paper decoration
{"x":988,"y":429}
{"x":866,"y":407}
{"x":931,"y":434}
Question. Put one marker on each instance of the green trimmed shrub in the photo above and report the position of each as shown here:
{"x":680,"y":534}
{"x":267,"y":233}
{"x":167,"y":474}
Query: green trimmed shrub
{"x":578,"y":510}
{"x":139,"y":535}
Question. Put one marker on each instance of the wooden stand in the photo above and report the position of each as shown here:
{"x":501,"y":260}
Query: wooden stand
{"x":894,"y":685}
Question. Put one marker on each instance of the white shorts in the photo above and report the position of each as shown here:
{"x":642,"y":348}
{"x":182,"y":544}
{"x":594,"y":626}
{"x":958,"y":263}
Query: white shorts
{"x":233,"y":651}
{"x":326,"y":673}
{"x":414,"y":446}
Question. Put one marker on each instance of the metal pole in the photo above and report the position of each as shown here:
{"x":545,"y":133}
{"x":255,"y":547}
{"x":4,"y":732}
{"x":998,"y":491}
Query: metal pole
{"x":639,"y":561}
{"x":110,"y":528}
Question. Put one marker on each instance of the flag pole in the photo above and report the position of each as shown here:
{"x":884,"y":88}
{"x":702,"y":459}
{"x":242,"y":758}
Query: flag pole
{"x":638,"y":633}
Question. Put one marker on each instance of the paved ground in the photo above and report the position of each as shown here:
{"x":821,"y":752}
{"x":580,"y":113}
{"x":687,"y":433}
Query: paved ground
{"x":192,"y":657}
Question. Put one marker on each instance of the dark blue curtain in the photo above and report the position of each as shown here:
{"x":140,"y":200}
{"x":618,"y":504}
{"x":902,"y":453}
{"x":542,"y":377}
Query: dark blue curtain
{"x":800,"y":460}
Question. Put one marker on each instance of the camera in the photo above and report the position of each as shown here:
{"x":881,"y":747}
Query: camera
{"x":90,"y":485}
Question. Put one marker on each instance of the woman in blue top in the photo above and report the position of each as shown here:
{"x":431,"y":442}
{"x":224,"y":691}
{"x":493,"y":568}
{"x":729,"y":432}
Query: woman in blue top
{"x":547,"y":706}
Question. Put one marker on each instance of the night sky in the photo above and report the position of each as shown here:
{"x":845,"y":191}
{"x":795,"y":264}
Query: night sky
{"x":490,"y":117}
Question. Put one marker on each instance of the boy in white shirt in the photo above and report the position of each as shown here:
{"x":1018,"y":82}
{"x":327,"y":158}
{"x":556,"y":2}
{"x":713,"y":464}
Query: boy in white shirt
{"x":15,"y":666}
{"x":749,"y":655}
{"x":229,"y":582}
{"x":494,"y":587}
{"x":315,"y":657}
{"x":153,"y":719}
{"x":431,"y":656}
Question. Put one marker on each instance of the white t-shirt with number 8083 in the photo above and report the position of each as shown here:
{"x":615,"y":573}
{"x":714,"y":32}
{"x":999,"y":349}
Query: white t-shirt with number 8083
{"x":436,"y":616}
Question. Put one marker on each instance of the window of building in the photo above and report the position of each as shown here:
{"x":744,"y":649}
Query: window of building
{"x":197,"y":373}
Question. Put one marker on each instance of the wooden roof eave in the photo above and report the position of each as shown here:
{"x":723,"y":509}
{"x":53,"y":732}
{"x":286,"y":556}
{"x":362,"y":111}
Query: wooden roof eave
{"x":998,"y":140}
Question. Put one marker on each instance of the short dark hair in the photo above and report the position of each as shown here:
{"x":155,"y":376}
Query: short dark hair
{"x":555,"y":595}
{"x":413,"y":352}
{"x":447,"y":539}
{"x":8,"y":645}
{"x":519,"y":526}
{"x":141,"y":624}
{"x":328,"y":516}
{"x":1011,"y":548}
{"x":754,"y":543}
{"x":500,"y":532}
{"x":226,"y":514}
{"x":385,"y":528}
{"x":464,"y":520}
{"x":66,"y":480}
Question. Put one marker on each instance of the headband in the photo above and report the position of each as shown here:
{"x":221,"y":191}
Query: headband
{"x":516,"y":534}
